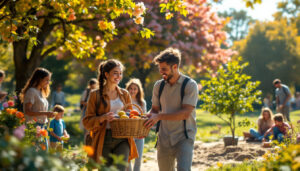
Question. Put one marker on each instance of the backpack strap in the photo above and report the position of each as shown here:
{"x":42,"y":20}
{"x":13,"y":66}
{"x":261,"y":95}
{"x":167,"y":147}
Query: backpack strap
{"x":185,"y":81}
{"x":161,"y":87}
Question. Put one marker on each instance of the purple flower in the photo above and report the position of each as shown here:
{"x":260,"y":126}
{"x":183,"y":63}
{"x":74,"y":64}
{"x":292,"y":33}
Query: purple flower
{"x":5,"y":104}
{"x":20,"y":132}
{"x":298,"y":122}
{"x":15,"y":97}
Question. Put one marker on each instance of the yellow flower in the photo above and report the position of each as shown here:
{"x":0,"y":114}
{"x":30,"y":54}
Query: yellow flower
{"x":169,"y":15}
{"x":219,"y":164}
{"x":102,"y":25}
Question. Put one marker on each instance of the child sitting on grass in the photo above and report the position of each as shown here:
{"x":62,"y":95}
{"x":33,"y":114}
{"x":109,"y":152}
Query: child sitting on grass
{"x":279,"y":130}
{"x":58,"y":129}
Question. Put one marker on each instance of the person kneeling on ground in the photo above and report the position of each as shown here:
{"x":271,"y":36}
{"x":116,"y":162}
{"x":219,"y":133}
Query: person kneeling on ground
{"x":279,"y":129}
{"x":264,"y":123}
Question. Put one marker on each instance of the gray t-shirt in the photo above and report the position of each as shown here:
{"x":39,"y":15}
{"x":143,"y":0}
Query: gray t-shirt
{"x":282,"y":94}
{"x":171,"y":132}
{"x":39,"y":104}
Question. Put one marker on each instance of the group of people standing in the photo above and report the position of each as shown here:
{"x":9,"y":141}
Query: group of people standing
{"x":172,"y":106}
{"x":173,"y":110}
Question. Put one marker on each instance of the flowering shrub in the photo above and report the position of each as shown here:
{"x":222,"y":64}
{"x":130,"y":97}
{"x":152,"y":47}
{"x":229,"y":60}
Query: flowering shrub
{"x":10,"y":118}
{"x":284,"y":158}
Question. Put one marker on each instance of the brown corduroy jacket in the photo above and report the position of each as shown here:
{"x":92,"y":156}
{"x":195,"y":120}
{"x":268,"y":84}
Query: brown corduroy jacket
{"x":92,"y":122}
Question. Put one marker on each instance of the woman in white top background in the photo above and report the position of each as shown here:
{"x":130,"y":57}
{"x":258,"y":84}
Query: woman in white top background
{"x":34,"y":98}
{"x":135,"y":89}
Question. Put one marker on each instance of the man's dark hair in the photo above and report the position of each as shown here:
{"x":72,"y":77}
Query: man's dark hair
{"x":2,"y":73}
{"x":171,"y":56}
{"x":278,"y":117}
{"x":276,"y":81}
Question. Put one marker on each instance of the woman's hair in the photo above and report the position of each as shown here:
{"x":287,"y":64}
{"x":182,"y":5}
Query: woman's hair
{"x":92,"y":81}
{"x":37,"y":76}
{"x":266,"y":109}
{"x":140,"y":94}
{"x":106,"y":66}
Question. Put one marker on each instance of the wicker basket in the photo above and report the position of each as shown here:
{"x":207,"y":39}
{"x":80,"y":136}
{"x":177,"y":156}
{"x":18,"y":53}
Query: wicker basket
{"x":129,"y":128}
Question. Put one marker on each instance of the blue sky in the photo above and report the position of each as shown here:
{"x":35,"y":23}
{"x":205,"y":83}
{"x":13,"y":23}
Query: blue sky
{"x":261,"y":11}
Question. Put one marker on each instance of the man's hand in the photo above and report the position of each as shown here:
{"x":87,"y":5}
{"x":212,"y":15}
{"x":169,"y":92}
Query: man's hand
{"x":153,"y":119}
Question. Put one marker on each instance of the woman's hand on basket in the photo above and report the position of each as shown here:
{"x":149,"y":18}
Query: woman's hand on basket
{"x":153,"y":119}
{"x":109,"y":116}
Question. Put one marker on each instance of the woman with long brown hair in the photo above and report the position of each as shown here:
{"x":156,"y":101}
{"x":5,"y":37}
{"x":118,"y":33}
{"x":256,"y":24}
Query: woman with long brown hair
{"x":135,"y":89}
{"x":264,"y":122}
{"x":103,"y":104}
{"x":34,"y":98}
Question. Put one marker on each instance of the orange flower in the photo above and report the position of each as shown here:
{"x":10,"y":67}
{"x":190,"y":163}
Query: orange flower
{"x":22,"y":120}
{"x":43,"y":147}
{"x":19,"y":115}
{"x":91,"y":134}
{"x":9,"y":111}
{"x":44,"y":132}
{"x":89,"y":150}
{"x":102,"y":25}
{"x":14,"y":111}
{"x":35,"y":119}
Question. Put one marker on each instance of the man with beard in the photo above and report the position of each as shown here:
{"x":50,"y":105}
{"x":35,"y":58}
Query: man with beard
{"x":173,"y":108}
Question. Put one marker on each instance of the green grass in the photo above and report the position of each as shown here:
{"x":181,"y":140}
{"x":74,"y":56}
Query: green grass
{"x":206,"y":122}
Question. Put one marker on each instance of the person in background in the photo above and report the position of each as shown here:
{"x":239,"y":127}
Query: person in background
{"x":58,"y":130}
{"x":3,"y":94}
{"x":135,"y":89}
{"x":34,"y":98}
{"x":102,"y":106}
{"x":283,"y":96}
{"x":58,"y":96}
{"x":264,"y":122}
{"x":297,"y":100}
{"x":92,"y":85}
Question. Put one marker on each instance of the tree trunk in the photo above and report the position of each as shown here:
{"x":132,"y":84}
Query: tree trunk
{"x":23,"y":66}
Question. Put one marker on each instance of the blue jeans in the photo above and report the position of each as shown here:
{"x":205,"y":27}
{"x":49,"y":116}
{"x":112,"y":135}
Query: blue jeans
{"x":278,"y":135}
{"x":257,"y":135}
{"x":138,"y":161}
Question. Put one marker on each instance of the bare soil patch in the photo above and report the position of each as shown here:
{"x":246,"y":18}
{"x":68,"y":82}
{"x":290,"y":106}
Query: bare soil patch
{"x":209,"y":154}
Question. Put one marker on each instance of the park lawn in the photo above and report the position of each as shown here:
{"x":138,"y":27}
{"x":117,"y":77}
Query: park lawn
{"x":206,"y":122}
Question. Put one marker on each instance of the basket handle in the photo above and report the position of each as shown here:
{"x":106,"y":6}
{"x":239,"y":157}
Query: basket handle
{"x":137,"y":106}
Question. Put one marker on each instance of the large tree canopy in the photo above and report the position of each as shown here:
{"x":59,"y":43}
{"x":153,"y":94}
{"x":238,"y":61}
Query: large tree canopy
{"x":272,"y":49}
{"x":80,"y":28}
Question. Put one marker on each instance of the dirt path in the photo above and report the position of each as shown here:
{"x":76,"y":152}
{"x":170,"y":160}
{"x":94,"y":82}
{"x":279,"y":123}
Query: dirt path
{"x":209,"y":154}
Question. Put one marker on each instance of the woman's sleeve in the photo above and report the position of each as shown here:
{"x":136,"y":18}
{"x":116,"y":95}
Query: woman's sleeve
{"x":91,"y":120}
{"x":29,"y":96}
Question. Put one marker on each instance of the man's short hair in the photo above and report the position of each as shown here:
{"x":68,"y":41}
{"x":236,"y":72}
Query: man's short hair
{"x":171,"y":56}
{"x":2,"y":73}
{"x":278,"y":117}
{"x":58,"y":108}
{"x":276,"y":81}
